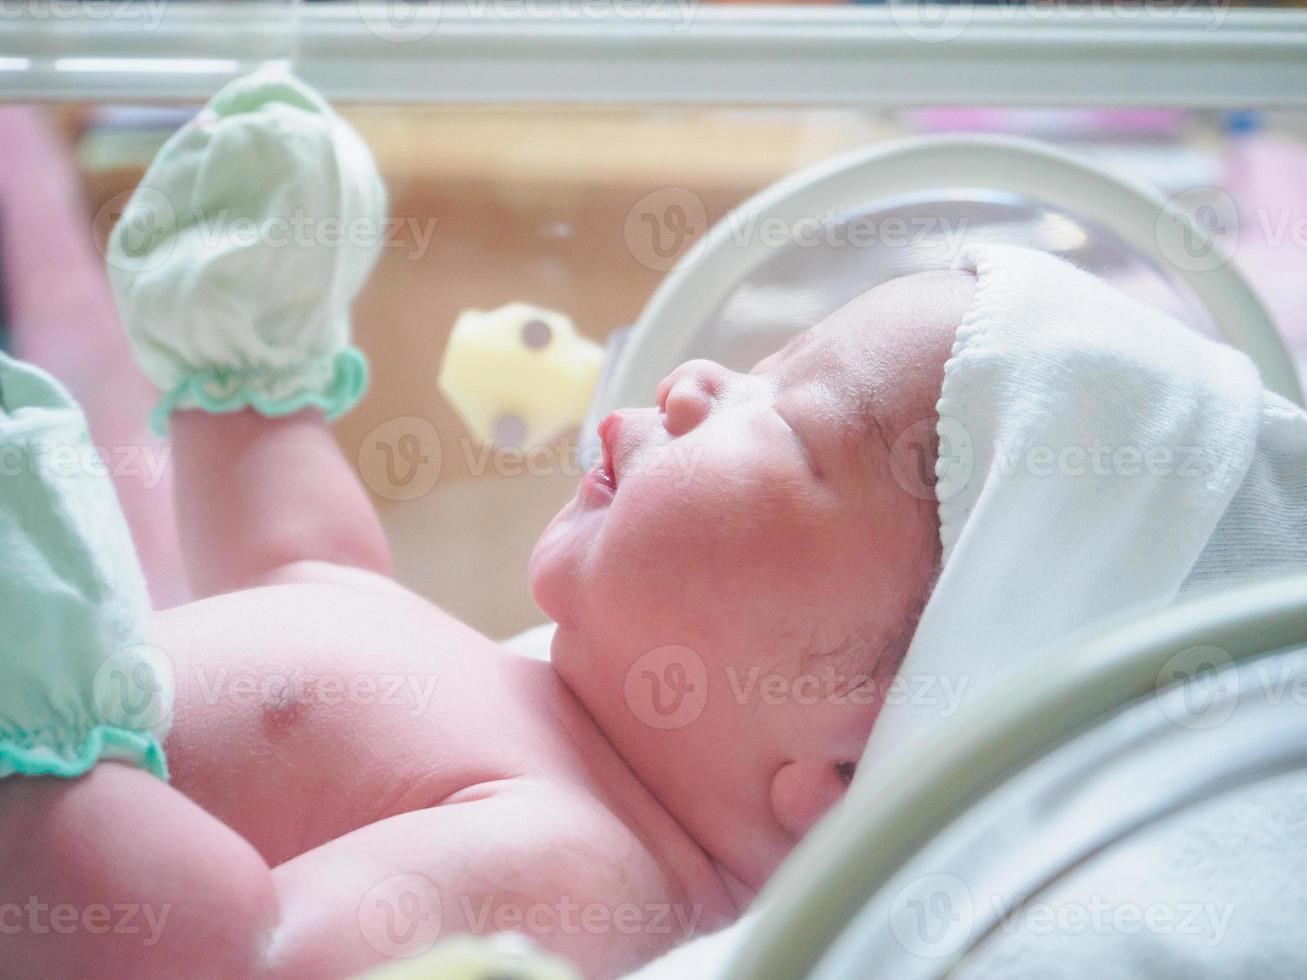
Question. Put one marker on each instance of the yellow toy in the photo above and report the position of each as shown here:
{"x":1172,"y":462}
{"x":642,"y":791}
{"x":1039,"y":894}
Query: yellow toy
{"x":520,"y":375}
{"x":506,"y":956}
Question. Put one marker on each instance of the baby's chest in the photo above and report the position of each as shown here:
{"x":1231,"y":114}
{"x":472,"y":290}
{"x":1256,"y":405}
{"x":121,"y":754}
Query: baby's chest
{"x":302,"y":711}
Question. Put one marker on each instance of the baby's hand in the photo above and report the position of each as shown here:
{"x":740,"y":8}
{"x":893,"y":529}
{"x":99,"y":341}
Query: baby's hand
{"x":235,"y":262}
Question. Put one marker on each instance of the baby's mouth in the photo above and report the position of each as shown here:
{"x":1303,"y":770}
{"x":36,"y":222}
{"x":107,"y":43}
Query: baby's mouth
{"x":608,"y":432}
{"x":599,"y":485}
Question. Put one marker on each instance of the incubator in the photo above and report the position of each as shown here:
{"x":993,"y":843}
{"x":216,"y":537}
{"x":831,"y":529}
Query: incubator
{"x":595,"y":195}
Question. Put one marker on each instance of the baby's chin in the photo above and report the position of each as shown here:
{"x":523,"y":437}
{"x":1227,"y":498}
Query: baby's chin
{"x":552,"y":570}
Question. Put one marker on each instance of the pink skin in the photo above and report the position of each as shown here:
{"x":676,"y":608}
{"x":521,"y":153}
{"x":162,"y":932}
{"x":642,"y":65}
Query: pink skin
{"x":754,"y":519}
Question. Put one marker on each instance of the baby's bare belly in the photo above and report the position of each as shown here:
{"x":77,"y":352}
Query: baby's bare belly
{"x":306,"y":711}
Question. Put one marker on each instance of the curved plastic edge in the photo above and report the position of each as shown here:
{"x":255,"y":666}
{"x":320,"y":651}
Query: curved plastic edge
{"x":716,"y":263}
{"x":863,"y":842}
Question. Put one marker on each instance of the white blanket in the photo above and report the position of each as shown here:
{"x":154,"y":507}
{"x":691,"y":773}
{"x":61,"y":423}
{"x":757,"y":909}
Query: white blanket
{"x":1089,"y":447}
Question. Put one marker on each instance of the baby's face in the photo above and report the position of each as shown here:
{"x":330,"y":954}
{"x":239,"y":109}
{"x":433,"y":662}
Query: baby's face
{"x":738,"y":577}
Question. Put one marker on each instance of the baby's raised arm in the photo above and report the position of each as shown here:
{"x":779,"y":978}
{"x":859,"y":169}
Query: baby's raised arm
{"x":268,"y":499}
{"x":234,"y":266}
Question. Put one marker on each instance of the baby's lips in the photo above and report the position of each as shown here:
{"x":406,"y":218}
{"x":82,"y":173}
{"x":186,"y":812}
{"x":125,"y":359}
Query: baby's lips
{"x":609,"y":431}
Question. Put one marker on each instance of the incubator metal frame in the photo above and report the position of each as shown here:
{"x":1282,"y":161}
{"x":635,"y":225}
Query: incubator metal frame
{"x":1202,"y":55}
{"x":1005,"y":796}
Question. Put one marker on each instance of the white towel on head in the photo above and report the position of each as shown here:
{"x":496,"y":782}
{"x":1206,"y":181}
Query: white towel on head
{"x":1090,"y":449}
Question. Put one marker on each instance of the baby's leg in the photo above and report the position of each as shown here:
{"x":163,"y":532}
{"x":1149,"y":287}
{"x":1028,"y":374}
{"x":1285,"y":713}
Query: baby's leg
{"x":258,"y":499}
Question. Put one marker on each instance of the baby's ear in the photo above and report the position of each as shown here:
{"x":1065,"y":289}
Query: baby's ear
{"x":804,"y":789}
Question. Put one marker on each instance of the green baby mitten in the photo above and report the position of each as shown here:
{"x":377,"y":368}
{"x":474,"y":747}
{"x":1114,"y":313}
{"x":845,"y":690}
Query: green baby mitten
{"x":78,"y":680}
{"x":235,"y":261}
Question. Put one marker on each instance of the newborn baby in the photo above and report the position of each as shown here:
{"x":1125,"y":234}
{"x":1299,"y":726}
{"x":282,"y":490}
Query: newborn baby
{"x":352,"y":772}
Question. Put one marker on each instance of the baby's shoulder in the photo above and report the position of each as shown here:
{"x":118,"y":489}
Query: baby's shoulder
{"x":299,"y":677}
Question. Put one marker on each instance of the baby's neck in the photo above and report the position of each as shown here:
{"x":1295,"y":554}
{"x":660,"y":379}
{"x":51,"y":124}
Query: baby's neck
{"x":710,"y":893}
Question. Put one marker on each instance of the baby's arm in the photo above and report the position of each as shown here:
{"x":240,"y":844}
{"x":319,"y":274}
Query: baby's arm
{"x":117,"y":874}
{"x":228,"y":314}
{"x":258,"y":497}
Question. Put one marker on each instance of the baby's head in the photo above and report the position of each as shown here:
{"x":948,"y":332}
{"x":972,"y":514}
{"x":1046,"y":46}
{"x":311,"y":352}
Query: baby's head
{"x":738,"y":580}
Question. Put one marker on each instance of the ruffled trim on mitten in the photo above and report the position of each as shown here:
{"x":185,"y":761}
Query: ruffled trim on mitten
{"x":68,"y":755}
{"x":221,"y":390}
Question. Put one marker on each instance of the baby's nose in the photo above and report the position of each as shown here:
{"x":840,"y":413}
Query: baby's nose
{"x":687,"y":396}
